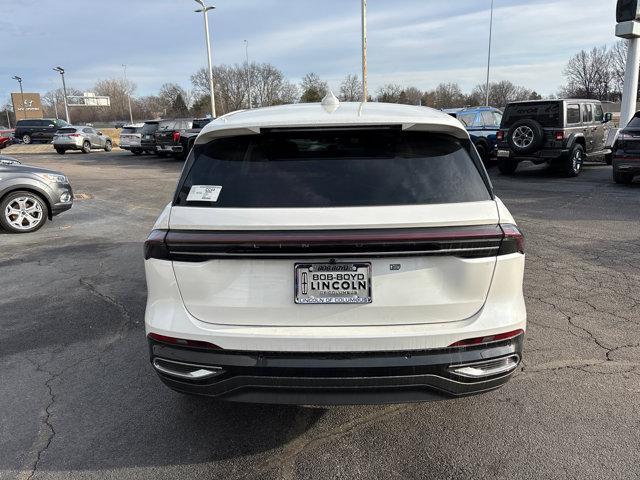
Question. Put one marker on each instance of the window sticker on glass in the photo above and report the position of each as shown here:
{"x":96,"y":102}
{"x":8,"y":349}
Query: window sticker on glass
{"x":204,"y":193}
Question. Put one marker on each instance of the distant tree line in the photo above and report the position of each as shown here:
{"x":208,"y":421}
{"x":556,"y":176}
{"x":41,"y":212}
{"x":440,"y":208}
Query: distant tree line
{"x":597,"y":73}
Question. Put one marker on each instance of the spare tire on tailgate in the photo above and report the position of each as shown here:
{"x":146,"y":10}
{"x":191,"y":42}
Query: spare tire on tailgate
{"x":525,"y":137}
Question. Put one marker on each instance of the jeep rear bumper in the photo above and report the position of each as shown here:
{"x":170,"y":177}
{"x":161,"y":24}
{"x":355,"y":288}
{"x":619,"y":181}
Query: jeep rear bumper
{"x":337,"y":378}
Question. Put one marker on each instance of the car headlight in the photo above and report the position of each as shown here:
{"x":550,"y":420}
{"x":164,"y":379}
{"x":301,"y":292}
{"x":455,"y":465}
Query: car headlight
{"x":52,"y":178}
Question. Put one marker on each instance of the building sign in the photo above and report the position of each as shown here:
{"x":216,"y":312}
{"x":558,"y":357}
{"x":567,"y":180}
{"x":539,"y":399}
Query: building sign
{"x":32,"y":107}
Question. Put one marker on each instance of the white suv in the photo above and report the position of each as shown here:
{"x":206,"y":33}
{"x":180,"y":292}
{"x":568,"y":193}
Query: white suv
{"x":335,"y":254}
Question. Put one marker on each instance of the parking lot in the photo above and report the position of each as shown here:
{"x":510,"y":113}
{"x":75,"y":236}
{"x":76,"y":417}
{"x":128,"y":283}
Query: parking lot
{"x":79,"y":398}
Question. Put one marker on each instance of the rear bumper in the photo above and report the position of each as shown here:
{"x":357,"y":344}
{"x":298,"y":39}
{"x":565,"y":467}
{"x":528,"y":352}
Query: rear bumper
{"x":627,"y":164}
{"x":169,"y":148}
{"x":542,"y":155}
{"x":333,"y":378}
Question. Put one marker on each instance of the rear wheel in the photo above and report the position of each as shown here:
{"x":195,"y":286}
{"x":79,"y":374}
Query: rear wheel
{"x":26,"y":139}
{"x":507,"y":166}
{"x":608,"y":158}
{"x":483,"y":152}
{"x":622,"y":177}
{"x":108,"y":146}
{"x":23,"y":212}
{"x":61,"y":151}
{"x":572,"y":165}
{"x":86,"y":147}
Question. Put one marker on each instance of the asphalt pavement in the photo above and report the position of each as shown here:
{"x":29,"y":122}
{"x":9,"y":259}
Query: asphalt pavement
{"x":79,"y":399}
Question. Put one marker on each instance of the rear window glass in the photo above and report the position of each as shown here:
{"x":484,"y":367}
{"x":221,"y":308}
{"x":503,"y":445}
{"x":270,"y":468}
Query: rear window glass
{"x":467,"y":119}
{"x":634,"y":123}
{"x":201,"y":122}
{"x":168,"y":125}
{"x":548,"y":114}
{"x":66,"y":130}
{"x":332,"y":168}
{"x":130,"y":130}
{"x":149,"y":127}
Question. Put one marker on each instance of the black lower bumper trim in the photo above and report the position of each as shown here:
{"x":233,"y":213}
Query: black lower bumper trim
{"x":336,"y":378}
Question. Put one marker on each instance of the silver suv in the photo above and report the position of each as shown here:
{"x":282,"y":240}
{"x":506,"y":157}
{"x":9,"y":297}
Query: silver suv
{"x":29,"y":195}
{"x":80,"y":138}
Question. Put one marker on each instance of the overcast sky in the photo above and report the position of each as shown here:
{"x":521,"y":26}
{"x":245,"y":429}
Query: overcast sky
{"x":411,"y":42}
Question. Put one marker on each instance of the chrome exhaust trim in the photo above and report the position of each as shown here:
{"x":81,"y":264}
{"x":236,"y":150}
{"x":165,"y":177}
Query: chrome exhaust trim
{"x":185,"y":371}
{"x":489,"y":368}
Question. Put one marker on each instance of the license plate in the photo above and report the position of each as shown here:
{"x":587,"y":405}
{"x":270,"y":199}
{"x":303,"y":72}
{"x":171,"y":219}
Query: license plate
{"x":333,"y":283}
{"x":504,"y":153}
{"x":147,"y":136}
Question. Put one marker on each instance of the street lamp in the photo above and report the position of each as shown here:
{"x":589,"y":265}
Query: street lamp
{"x":246,"y":45}
{"x":24,"y":107}
{"x":489,"y":59}
{"x":364,"y":50}
{"x":126,"y":83}
{"x":205,"y":10}
{"x":60,"y":70}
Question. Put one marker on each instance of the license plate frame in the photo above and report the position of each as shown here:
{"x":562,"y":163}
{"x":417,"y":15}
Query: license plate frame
{"x":342,"y":273}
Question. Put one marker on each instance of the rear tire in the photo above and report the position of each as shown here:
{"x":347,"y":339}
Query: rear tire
{"x":61,"y":151}
{"x":108,"y":146}
{"x":26,"y":139}
{"x":86,"y":147}
{"x":483,"y":152}
{"x":622,"y":177}
{"x":608,"y":158}
{"x":12,"y":218}
{"x":507,"y":166}
{"x":572,"y":165}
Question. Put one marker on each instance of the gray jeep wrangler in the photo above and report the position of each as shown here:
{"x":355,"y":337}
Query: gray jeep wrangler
{"x":562,"y":133}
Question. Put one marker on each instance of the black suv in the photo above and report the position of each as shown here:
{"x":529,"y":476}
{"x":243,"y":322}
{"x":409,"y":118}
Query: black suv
{"x":38,"y":130}
{"x":176,"y":137}
{"x":562,"y":133}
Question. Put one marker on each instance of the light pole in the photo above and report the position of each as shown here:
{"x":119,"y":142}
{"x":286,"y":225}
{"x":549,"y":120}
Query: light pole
{"x":24,"y":107}
{"x":489,"y":58}
{"x":205,"y":10}
{"x":60,"y":70}
{"x":126,"y":83}
{"x":246,"y":46}
{"x":6,"y":108}
{"x":364,"y":51}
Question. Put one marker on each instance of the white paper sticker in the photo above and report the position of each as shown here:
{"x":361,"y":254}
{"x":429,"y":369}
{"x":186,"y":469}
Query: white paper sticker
{"x":204,"y":193}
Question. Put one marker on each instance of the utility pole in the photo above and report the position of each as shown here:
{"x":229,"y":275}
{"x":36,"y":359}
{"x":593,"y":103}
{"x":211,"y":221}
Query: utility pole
{"x":24,"y":107}
{"x":364,"y":51}
{"x":126,"y":83}
{"x":60,"y":70}
{"x":205,"y":10}
{"x":489,"y":58}
{"x":6,"y":108}
{"x":246,"y":45}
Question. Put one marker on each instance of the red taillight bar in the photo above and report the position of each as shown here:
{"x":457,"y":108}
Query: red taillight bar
{"x":488,"y":339}
{"x":500,"y":135}
{"x":176,"y":136}
{"x":182,"y":342}
{"x":559,"y":136}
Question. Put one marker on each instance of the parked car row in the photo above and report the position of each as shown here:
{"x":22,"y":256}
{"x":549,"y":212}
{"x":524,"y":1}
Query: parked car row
{"x":6,"y":136}
{"x":162,"y":137}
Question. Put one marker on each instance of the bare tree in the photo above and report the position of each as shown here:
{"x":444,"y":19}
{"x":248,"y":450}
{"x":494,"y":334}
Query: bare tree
{"x":618,"y":55}
{"x":313,"y":88}
{"x":351,"y":89}
{"x":448,"y":95}
{"x":589,"y":75}
{"x":411,"y":96}
{"x":117,"y":90}
{"x":389,"y":93}
{"x":500,"y":93}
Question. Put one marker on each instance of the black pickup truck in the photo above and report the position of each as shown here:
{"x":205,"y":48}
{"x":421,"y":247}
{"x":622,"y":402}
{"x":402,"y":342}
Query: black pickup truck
{"x":176,"y":137}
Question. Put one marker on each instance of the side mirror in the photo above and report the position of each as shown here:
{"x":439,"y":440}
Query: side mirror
{"x":608,"y":117}
{"x":51,"y":125}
